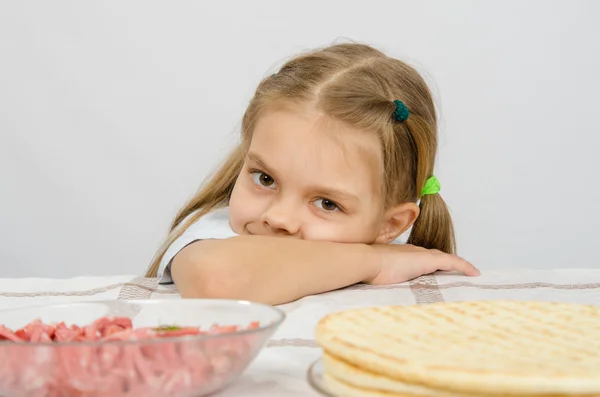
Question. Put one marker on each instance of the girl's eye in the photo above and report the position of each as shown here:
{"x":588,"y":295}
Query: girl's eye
{"x":327,"y":205}
{"x":262,"y":179}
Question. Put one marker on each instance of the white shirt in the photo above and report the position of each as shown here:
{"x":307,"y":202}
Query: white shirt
{"x":214,"y":225}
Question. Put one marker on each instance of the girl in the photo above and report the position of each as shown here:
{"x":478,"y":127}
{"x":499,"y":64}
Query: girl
{"x":335,"y":163}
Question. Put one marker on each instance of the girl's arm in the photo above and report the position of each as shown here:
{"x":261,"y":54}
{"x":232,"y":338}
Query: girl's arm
{"x":277,"y":270}
{"x":272,"y":270}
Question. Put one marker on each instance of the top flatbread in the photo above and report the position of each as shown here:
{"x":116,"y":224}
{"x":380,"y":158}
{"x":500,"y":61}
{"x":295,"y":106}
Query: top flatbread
{"x":479,"y":347}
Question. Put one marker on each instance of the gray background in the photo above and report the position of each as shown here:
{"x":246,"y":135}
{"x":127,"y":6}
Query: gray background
{"x":113,"y":112}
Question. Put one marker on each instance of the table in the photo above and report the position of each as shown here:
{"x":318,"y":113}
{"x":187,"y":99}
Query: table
{"x":280,"y":369}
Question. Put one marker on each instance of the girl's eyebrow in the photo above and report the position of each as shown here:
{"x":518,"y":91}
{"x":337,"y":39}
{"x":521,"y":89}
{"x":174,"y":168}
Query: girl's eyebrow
{"x":256,"y":159}
{"x":335,"y":194}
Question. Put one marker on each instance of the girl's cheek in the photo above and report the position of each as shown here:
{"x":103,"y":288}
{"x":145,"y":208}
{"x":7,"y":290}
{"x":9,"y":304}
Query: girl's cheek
{"x":244,"y":208}
{"x":339,"y":233}
{"x":234,"y":220}
{"x":322,"y":231}
{"x":236,"y":212}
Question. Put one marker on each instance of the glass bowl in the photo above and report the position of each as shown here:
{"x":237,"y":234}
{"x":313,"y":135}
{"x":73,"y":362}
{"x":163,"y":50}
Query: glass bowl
{"x":174,"y":366}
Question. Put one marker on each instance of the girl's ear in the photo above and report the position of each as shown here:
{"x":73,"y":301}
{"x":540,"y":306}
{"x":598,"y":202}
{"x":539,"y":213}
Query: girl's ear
{"x":396,"y":221}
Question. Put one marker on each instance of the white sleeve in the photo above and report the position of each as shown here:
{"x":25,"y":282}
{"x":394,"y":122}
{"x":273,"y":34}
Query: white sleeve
{"x":214,"y":225}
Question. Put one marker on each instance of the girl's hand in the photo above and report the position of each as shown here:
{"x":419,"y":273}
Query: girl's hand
{"x":400,"y":263}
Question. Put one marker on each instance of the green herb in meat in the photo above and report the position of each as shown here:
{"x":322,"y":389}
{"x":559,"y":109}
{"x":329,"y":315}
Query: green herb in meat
{"x":167,"y":328}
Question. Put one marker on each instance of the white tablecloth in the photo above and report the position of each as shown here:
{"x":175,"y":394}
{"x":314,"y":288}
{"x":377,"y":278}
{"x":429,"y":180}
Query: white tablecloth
{"x":280,"y":369}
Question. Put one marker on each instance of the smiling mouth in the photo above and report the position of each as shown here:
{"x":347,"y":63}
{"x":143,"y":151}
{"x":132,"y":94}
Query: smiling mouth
{"x":258,"y":232}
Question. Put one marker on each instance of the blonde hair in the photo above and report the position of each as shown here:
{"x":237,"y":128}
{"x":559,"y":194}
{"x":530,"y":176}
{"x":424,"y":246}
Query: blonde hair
{"x":355,"y":84}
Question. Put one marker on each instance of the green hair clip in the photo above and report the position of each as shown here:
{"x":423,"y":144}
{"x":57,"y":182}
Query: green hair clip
{"x":401,"y":113}
{"x":432,"y":186}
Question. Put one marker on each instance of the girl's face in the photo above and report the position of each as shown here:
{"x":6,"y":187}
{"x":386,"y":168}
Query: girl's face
{"x":307,"y":176}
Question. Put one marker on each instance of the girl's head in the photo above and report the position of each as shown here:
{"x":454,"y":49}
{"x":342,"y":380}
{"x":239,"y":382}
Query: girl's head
{"x":322,"y":156}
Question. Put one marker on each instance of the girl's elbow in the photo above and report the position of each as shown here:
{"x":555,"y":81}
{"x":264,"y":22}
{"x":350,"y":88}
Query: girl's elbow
{"x":213,"y":285}
{"x":200,"y":279}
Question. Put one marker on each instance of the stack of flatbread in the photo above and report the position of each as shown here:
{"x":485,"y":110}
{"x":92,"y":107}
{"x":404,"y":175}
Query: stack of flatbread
{"x":466,"y":349}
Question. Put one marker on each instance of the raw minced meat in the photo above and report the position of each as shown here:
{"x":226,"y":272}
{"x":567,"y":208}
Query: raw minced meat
{"x":152,"y":366}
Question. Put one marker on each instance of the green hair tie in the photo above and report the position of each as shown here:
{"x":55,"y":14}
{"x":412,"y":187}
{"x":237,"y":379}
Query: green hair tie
{"x":401,"y":113}
{"x":432,"y":186}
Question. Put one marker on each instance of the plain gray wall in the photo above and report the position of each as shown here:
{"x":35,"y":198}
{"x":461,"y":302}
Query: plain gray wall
{"x":113,"y":112}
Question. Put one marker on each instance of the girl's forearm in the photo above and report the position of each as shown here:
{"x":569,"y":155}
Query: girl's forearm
{"x":272,"y":270}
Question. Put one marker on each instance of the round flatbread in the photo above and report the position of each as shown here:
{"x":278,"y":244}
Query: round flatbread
{"x":476,"y":347}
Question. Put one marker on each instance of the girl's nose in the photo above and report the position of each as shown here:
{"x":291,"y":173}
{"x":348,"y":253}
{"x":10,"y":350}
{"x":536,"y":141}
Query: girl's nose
{"x":282,"y":220}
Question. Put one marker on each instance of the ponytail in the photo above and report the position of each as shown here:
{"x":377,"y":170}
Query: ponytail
{"x":433,"y":228}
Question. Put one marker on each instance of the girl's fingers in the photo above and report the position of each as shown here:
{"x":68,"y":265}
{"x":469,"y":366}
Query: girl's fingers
{"x":469,"y":270}
{"x":451,"y":262}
